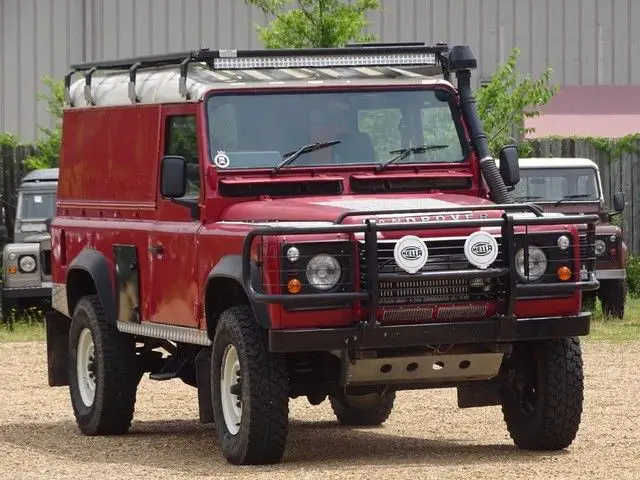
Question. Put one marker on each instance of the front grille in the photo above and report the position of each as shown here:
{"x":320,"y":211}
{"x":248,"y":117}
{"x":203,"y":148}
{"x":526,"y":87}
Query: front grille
{"x":443,"y":255}
{"x":45,"y":262}
{"x":583,"y":248}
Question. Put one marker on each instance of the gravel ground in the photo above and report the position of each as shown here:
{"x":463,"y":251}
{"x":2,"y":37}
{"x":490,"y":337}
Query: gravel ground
{"x":427,"y":436}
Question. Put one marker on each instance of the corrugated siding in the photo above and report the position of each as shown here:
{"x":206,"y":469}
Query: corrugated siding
{"x":584,"y":41}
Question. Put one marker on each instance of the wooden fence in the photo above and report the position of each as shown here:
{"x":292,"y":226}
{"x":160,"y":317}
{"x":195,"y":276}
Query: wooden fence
{"x":11,"y":172}
{"x":618,"y":174}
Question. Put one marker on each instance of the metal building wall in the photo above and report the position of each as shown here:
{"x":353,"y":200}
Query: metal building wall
{"x":584,"y":41}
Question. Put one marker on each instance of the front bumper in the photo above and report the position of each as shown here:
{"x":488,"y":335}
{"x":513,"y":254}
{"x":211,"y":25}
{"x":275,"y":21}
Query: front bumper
{"x":607,"y":274}
{"x":41,"y":291}
{"x":493,"y":330}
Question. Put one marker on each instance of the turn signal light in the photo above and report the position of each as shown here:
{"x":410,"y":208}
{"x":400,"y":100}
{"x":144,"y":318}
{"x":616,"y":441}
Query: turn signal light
{"x":564,"y":273}
{"x":12,"y":269}
{"x":294,"y":285}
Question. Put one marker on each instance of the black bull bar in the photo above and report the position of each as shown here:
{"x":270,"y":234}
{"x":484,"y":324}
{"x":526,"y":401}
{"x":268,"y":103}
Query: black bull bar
{"x":507,"y":222}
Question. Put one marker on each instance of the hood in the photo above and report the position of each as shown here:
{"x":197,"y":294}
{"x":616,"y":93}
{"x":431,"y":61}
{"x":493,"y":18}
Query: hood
{"x":329,"y":208}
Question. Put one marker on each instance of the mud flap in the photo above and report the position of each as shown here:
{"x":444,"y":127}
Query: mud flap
{"x":478,"y":394}
{"x":57,"y":328}
{"x":203,"y":379}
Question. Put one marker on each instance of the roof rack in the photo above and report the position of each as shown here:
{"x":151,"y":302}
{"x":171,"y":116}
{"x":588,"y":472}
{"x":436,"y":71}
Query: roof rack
{"x":354,"y":55}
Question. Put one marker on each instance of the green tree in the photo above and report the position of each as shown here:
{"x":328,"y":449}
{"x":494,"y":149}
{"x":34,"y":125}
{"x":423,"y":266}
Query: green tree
{"x":314,"y":23}
{"x":47,"y":146}
{"x":509,"y":98}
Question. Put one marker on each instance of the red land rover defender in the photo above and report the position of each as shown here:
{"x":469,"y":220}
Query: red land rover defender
{"x":326,"y":223}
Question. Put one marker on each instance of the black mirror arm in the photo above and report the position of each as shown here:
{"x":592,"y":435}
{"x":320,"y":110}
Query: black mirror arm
{"x":191,"y":204}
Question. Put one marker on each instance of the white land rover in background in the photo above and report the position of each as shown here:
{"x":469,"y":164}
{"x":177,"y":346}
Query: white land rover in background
{"x":570,"y":186}
{"x":26,"y":273}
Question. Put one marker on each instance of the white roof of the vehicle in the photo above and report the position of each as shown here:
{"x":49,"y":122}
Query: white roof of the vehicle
{"x":559,"y":162}
{"x":161,"y":84}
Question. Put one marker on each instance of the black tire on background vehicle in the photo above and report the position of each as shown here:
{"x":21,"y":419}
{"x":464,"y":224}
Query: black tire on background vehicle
{"x":363,"y":410}
{"x":103,"y":374}
{"x":542,"y":394}
{"x":250,"y":391}
{"x":613,"y":295}
{"x":589,"y":301}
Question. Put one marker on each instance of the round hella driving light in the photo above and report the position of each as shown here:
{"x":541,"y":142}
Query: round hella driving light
{"x":600,"y":247}
{"x":563,"y":242}
{"x":323,"y":272}
{"x":537,"y":263}
{"x":27,"y":264}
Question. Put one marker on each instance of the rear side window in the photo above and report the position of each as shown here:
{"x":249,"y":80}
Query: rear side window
{"x":181,"y":140}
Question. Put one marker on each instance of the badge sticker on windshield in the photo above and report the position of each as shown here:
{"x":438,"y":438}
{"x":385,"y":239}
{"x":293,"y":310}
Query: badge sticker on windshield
{"x":221,"y":159}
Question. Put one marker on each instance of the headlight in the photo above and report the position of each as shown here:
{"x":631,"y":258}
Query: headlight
{"x":323,"y":272}
{"x":600,"y":247}
{"x":563,"y":242}
{"x":12,"y":256}
{"x":537,"y":263}
{"x":27,"y":264}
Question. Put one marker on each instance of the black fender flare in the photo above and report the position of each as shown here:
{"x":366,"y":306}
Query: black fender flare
{"x":230,"y":266}
{"x":101,"y":270}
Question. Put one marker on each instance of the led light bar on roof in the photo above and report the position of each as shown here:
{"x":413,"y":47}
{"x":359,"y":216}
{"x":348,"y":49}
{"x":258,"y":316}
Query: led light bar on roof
{"x":326,"y":61}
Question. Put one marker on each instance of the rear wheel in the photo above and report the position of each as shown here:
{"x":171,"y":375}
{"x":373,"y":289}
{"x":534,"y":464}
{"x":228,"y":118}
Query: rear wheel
{"x":543,"y":393}
{"x":249,"y":387}
{"x":613,"y":294}
{"x":363,"y":410}
{"x":103,"y":377}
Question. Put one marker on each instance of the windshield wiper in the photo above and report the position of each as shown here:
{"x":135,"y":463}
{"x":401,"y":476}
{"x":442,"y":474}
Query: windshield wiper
{"x":571,"y":197}
{"x":405,"y":152}
{"x":312,"y":147}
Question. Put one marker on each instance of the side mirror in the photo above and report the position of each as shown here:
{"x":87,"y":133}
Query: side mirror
{"x":47,"y":225}
{"x":173,"y":177}
{"x":509,"y":166}
{"x":618,"y":202}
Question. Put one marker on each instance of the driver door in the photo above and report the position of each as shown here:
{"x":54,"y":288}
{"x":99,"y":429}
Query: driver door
{"x":172,"y":247}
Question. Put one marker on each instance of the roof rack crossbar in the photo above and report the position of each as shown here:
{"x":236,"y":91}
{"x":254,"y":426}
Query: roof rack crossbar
{"x":400,"y":55}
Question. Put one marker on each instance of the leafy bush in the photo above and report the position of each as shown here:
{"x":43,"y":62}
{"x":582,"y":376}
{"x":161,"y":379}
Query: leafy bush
{"x":633,"y":275}
{"x":509,"y":98}
{"x":47,"y":146}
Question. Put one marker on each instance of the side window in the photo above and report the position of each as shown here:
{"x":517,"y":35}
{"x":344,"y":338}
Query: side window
{"x":382,"y":127}
{"x":181,"y":139}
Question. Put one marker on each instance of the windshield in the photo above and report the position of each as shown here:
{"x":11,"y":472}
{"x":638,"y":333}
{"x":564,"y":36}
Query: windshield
{"x":258,"y":130}
{"x":37,"y":206}
{"x":553,"y":184}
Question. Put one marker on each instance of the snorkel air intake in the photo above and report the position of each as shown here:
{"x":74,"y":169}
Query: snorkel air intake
{"x":462,"y":61}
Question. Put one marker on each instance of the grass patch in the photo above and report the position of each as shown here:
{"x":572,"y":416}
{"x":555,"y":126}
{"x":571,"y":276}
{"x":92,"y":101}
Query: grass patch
{"x":615,"y":330}
{"x":22,"y":332}
{"x":23,"y":326}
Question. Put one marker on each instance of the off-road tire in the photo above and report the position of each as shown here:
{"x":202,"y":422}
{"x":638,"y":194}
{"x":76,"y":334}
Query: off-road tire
{"x":116,"y":372}
{"x":552,"y":420}
{"x":351,"y":410}
{"x":613,"y":295}
{"x":264,"y":391}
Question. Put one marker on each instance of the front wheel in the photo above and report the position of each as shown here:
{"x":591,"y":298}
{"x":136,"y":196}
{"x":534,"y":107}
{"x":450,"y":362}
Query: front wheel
{"x":249,"y":387}
{"x":542,"y":393}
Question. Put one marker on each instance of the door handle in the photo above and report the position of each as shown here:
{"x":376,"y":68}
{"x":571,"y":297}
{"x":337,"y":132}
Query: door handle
{"x":156,"y":249}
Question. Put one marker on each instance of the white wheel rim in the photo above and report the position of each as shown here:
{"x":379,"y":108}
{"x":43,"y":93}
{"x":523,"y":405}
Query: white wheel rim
{"x":231,"y":404}
{"x":85,"y":368}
